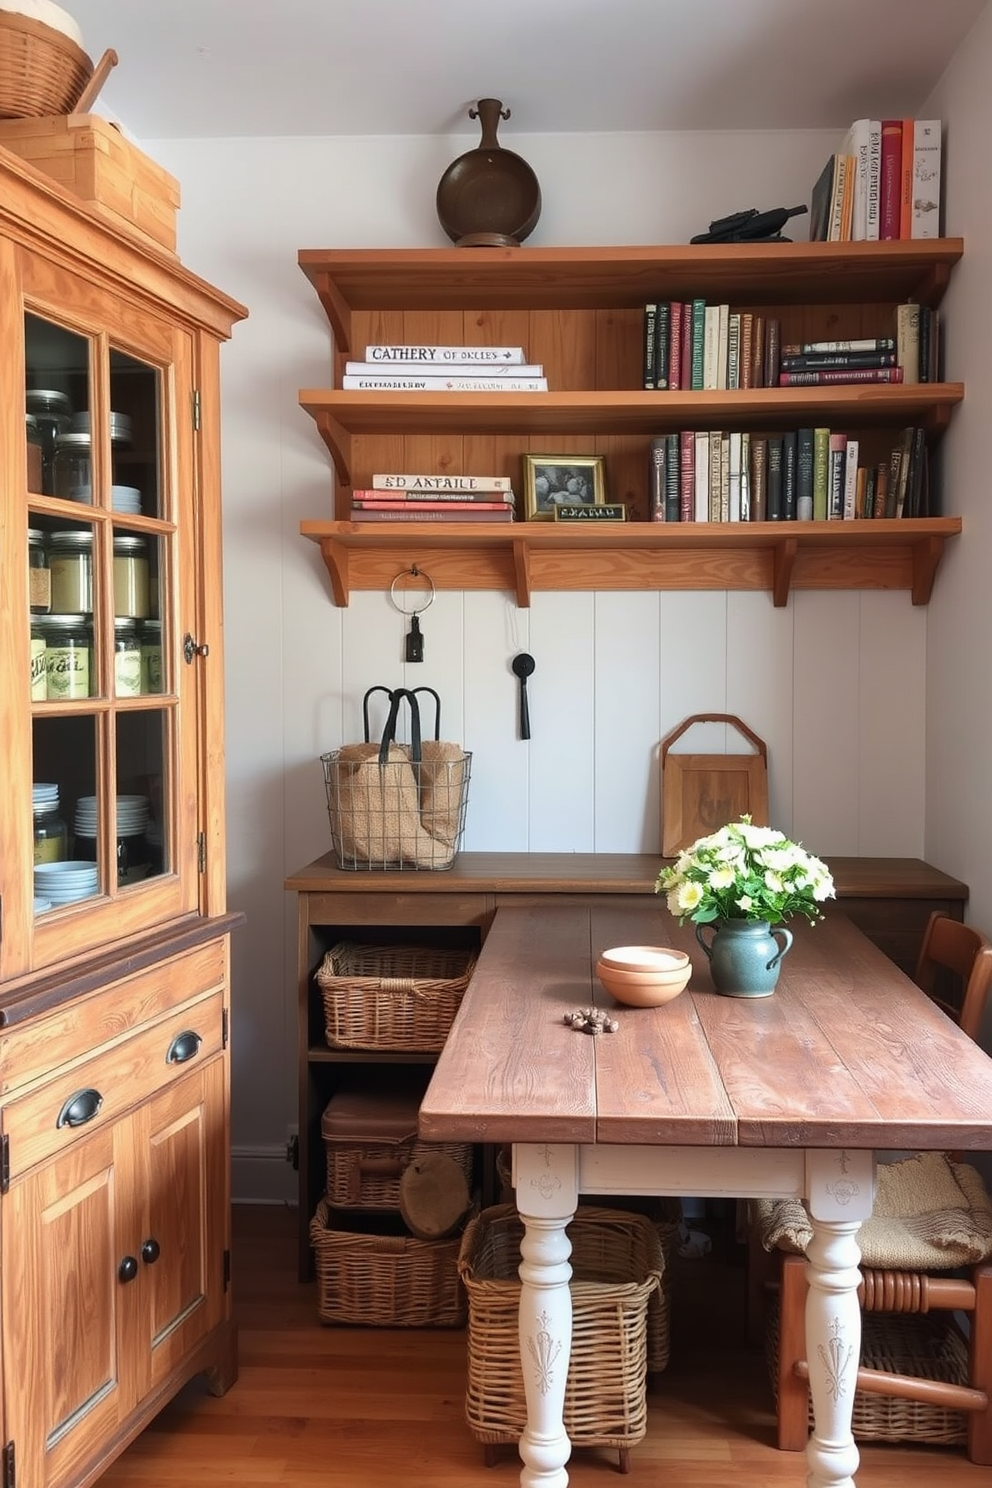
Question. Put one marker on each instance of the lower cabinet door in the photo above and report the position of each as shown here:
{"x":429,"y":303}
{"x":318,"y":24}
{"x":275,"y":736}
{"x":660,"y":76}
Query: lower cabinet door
{"x":68,"y":1299}
{"x":182,"y":1134}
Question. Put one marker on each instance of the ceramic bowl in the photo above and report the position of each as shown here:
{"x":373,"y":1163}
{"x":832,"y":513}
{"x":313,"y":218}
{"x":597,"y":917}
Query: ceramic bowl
{"x":649,"y":988}
{"x":645,"y":958}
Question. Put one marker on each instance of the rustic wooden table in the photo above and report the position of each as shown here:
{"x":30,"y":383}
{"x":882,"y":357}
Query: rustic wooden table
{"x":785,"y":1096}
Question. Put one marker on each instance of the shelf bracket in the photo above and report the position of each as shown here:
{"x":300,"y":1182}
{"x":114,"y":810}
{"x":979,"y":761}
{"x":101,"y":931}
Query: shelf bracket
{"x":521,"y":572}
{"x":335,"y":556}
{"x":926,"y":556}
{"x":338,"y":441}
{"x":783,"y":560}
{"x":337,"y":310}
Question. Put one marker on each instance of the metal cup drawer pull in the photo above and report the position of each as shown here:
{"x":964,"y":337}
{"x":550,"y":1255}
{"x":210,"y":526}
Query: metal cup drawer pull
{"x":80,"y":1108}
{"x":183,"y":1047}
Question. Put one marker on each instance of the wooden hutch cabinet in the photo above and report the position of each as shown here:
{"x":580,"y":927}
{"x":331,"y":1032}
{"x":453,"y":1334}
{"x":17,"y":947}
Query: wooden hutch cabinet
{"x":114,"y":930}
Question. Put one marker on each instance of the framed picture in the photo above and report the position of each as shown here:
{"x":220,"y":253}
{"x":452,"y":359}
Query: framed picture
{"x":562,"y":480}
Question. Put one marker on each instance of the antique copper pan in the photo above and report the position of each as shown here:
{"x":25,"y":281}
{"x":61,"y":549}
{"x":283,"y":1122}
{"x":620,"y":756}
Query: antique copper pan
{"x":488,"y":197}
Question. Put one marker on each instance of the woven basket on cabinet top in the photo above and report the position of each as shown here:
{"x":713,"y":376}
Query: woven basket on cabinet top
{"x":42,"y":71}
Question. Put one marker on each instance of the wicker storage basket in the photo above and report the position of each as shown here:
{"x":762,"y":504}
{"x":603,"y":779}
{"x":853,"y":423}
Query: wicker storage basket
{"x":616,"y":1269}
{"x":666,"y":1216}
{"x":42,"y":71}
{"x":386,"y":1278}
{"x":928,"y":1345}
{"x":397,"y":997}
{"x":370,"y":1138}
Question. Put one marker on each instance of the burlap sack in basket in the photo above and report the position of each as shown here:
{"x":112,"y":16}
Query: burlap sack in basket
{"x":443,"y":781}
{"x":378,"y":808}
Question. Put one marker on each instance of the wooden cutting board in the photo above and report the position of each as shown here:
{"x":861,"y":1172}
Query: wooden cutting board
{"x":703,"y":792}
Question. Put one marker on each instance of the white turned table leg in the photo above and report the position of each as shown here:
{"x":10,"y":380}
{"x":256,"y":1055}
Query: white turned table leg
{"x":839,"y":1196}
{"x":545,"y":1179}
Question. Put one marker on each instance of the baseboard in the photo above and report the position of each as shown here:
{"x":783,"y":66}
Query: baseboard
{"x":261,"y":1175}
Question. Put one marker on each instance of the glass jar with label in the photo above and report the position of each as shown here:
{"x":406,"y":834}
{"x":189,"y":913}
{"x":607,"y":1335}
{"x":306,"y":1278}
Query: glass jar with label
{"x":70,"y":559}
{"x":51,"y":410}
{"x":34,"y":451}
{"x":39,"y":574}
{"x":151,"y":655}
{"x":68,"y":656}
{"x":130,"y":576}
{"x":127,"y":658}
{"x":72,"y":467}
{"x":39,"y":670}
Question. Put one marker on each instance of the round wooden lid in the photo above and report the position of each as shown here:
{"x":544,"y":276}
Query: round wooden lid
{"x":434,"y":1195}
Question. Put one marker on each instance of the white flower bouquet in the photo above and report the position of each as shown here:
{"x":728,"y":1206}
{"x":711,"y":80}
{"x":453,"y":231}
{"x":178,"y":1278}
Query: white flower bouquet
{"x":744,"y":872}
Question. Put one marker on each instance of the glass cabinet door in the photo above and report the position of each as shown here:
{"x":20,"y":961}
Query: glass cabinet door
{"x":106,"y":537}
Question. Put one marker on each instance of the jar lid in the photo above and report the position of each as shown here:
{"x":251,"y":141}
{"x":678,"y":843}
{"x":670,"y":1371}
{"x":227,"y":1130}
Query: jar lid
{"x":125,"y":543}
{"x":120,"y":425}
{"x":47,"y":400}
{"x":35,"y":535}
{"x":72,"y":440}
{"x":31,"y":423}
{"x":62,"y":622}
{"x":75,"y":540}
{"x":125,"y":623}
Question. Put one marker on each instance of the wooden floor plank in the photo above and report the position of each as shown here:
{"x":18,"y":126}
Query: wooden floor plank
{"x":323,"y":1407}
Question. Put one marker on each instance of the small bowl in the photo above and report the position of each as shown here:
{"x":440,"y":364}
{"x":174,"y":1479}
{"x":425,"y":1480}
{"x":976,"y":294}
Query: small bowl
{"x":644,"y":958}
{"x":644,"y":988}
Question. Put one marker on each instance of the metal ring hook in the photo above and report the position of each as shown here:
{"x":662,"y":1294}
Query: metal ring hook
{"x":417,"y":573}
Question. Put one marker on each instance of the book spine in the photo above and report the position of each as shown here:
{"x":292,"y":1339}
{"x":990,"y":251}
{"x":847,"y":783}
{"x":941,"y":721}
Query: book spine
{"x":698,"y":338}
{"x":905,"y":448}
{"x":656,"y":479}
{"x":835,"y":477}
{"x":925,"y":345}
{"x":443,"y":384}
{"x":850,"y":479}
{"x":774,"y":497}
{"x":418,"y":369}
{"x":817,"y":348}
{"x":835,"y":231}
{"x":747,"y":350}
{"x":874,"y":179}
{"x":734,"y":350}
{"x":908,"y":341}
{"x":891,"y":168}
{"x":662,"y":345}
{"x":862,"y":505}
{"x":849,"y":374}
{"x":734,"y":476}
{"x":454,"y":483}
{"x":685,"y":360}
{"x":417,"y":498}
{"x":773,"y":342}
{"x":860,"y":148}
{"x":714,"y":446}
{"x":914,"y":479}
{"x":813,"y":361}
{"x":711,"y":335}
{"x":758,"y":373}
{"x":366,"y":503}
{"x":701,"y":506}
{"x":906,"y":179}
{"x":881,"y":489}
{"x":419,"y":515}
{"x":745,"y":476}
{"x":722,"y":341}
{"x":650,"y":334}
{"x":759,"y":480}
{"x":821,"y":474}
{"x":789,"y":461}
{"x":804,"y":475}
{"x":677,"y":311}
{"x":724,"y":477}
{"x":687,"y":475}
{"x":444,"y":355}
{"x":926,"y":179}
{"x":673,"y":478}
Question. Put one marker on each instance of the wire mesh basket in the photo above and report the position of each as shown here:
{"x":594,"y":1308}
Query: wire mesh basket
{"x":400,"y":813}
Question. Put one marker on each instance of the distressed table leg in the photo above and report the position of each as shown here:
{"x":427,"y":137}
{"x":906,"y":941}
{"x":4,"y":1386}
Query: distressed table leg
{"x":546,"y":1182}
{"x":839,"y":1196}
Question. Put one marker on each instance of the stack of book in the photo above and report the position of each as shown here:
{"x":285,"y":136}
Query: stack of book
{"x":691,"y":345}
{"x":808,"y":474}
{"x":434,"y":498}
{"x":883,"y":183}
{"x":816,"y":363}
{"x":444,"y":369}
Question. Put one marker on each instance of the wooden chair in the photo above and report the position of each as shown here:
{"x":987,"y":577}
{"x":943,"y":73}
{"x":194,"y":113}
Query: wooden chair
{"x":950,"y":953}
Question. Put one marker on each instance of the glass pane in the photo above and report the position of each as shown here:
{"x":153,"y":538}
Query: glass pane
{"x":134,"y":436}
{"x":64,"y":664}
{"x":66,"y":860}
{"x":56,"y":387}
{"x":143,"y":847}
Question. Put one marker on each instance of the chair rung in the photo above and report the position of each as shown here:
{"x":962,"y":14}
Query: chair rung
{"x":906,"y":1387}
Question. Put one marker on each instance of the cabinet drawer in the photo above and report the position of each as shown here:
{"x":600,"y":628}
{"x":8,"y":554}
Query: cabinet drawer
{"x":101,"y":1089}
{"x":80,"y":1027}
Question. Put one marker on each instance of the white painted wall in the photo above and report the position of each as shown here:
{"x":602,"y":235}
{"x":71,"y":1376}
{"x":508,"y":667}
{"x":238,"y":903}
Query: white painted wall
{"x":835,"y":683}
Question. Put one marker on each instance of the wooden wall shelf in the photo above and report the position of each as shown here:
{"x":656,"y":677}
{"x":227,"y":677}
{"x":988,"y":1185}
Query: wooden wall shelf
{"x":529,"y":556}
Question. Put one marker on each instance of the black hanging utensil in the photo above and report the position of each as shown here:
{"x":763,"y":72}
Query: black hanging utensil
{"x":523,"y":666}
{"x":414,"y":641}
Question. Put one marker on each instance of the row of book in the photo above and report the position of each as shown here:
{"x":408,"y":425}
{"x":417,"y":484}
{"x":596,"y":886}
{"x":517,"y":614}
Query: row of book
{"x":444,"y":369}
{"x":434,"y":498}
{"x":809,"y":474}
{"x":698,"y":346}
{"x":882,"y":184}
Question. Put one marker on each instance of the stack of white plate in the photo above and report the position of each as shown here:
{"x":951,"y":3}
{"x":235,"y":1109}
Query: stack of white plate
{"x":65,"y":882}
{"x":132,"y":816}
{"x":126,"y":499}
{"x":44,"y":797}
